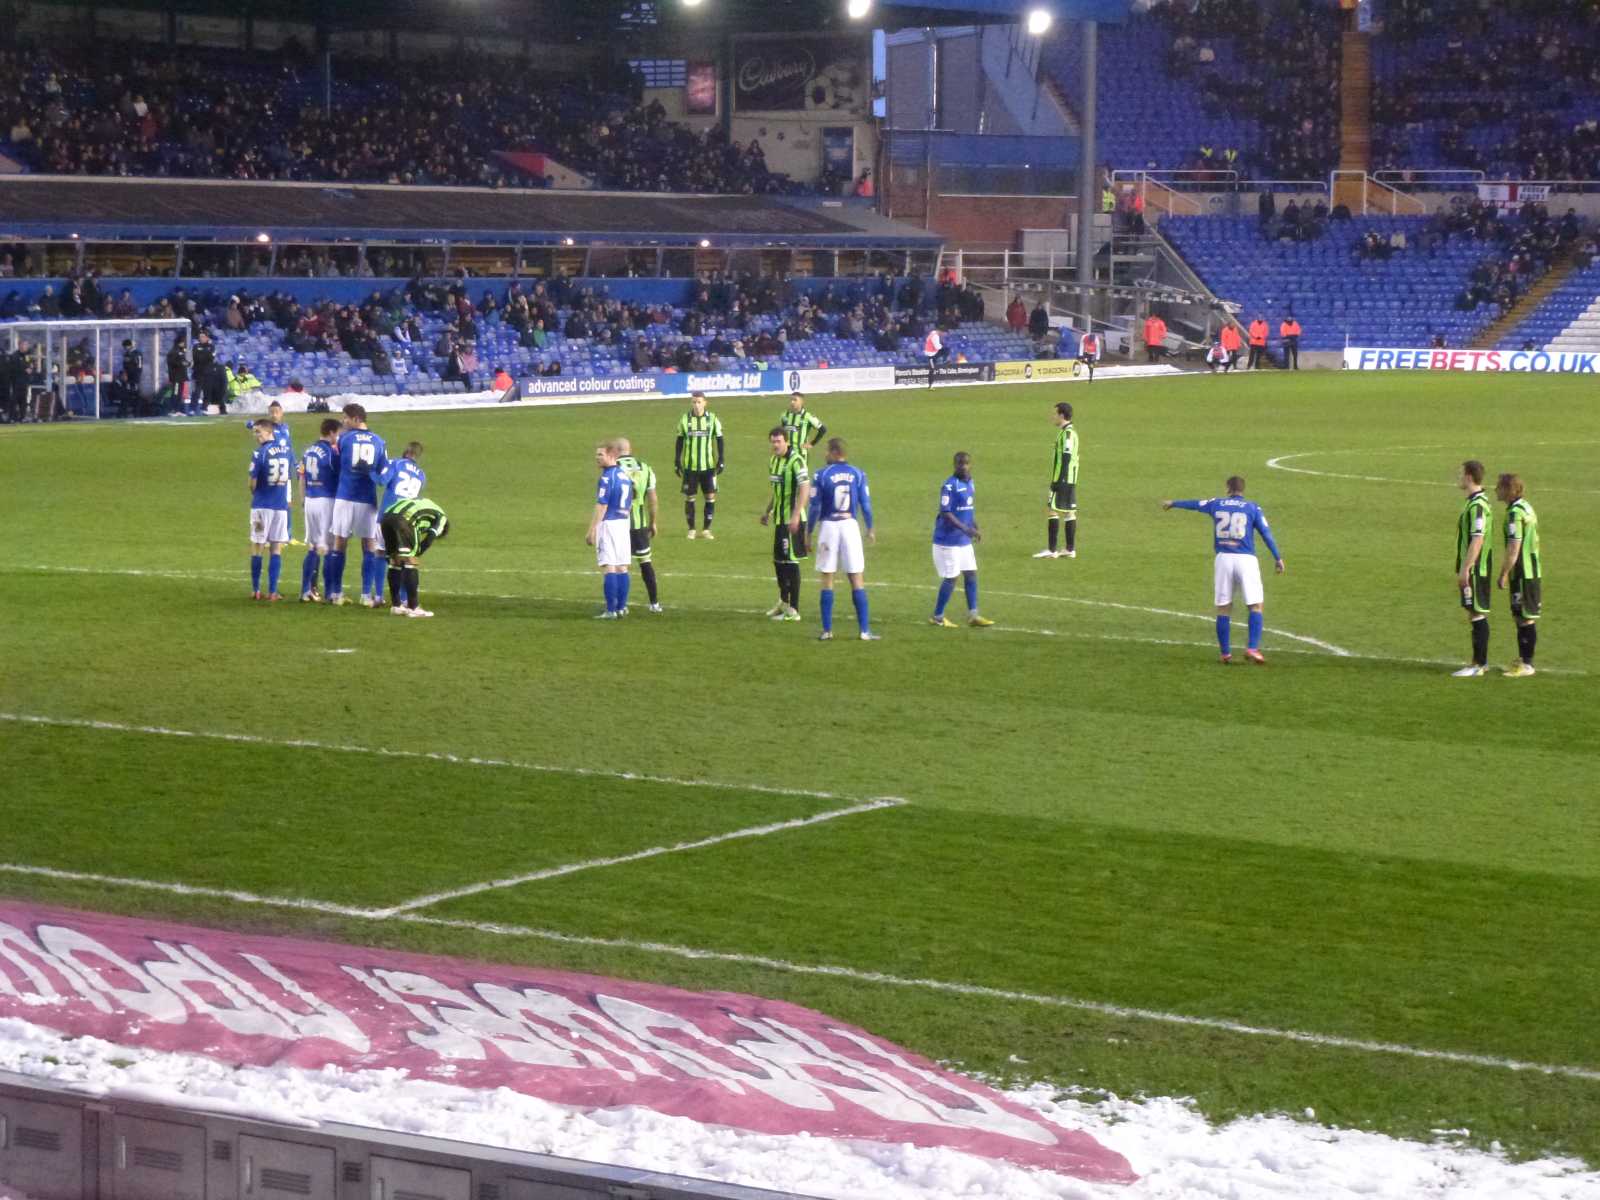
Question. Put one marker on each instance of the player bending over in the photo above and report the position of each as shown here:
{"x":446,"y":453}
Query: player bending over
{"x":608,"y":530}
{"x":1521,"y":571}
{"x":320,"y":471}
{"x":1237,"y":522}
{"x":955,"y":530}
{"x":1474,"y":569}
{"x":838,"y":496}
{"x":409,"y":527}
{"x":403,"y":479}
{"x":641,"y":516}
{"x":271,"y":467}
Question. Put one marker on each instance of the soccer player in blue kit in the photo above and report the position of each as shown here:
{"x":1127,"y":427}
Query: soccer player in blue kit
{"x":1237,"y":522}
{"x":319,"y":470}
{"x":362,"y":462}
{"x":271,"y":469}
{"x":610,"y":529}
{"x":955,"y":530}
{"x":838,"y":496}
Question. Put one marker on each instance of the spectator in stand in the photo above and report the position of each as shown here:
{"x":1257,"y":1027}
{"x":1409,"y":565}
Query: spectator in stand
{"x":1155,"y":338}
{"x":1016,"y":315}
{"x":1038,"y":325}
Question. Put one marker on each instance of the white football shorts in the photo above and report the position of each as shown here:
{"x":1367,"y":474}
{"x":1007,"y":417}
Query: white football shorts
{"x":269,"y":526}
{"x":352,"y":519}
{"x":613,"y":546}
{"x":950,"y":561}
{"x":1240,"y":571}
{"x":319,"y":523}
{"x":839,"y":548}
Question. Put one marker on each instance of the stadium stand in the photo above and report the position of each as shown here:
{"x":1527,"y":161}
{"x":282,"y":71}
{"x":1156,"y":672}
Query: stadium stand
{"x":1512,"y":89}
{"x":1222,"y":75}
{"x":1399,"y":299}
{"x":108,"y":109}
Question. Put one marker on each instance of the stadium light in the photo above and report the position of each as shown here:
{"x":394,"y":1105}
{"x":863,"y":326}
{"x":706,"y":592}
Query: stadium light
{"x":705,"y":243}
{"x":263,"y":237}
{"x":691,"y":3}
{"x":566,"y":241}
{"x":857,"y":9}
{"x":1039,"y":21}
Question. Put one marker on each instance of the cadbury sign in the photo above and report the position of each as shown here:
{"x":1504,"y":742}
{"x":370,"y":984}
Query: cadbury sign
{"x":570,"y":1039}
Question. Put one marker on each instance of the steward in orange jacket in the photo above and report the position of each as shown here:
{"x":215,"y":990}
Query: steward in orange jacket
{"x":1258,"y":341}
{"x":1289,"y":331}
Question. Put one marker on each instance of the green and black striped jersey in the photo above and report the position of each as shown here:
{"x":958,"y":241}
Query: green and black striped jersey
{"x":427,"y":519}
{"x":1476,"y":520}
{"x":789,"y":474}
{"x":803,"y":427}
{"x":1522,"y":525}
{"x":1064,"y":466}
{"x":699,"y":446}
{"x":644,"y":482}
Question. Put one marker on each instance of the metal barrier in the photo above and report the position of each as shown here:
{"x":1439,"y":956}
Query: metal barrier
{"x":61,"y":1144}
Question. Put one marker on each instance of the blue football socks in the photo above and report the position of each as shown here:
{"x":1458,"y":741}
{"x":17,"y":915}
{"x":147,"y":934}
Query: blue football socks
{"x":970,"y":579}
{"x":826,"y":600}
{"x":947,"y":589}
{"x":255,"y":572}
{"x":1255,"y":631}
{"x":1224,"y":632}
{"x":859,"y":597}
{"x":274,"y":572}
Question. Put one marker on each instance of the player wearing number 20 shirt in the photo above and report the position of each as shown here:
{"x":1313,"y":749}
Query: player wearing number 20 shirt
{"x":1237,"y":521}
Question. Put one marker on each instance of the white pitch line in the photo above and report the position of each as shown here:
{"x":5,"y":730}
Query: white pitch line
{"x":591,"y":864}
{"x":1277,"y":464}
{"x":1328,"y":1041}
{"x":982,"y":991}
{"x":468,"y":760}
{"x":187,"y":889}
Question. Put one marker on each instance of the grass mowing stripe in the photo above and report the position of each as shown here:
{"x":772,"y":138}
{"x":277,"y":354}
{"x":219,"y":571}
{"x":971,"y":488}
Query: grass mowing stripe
{"x":1325,"y":1041}
{"x":466,"y":760}
{"x":754,"y":831}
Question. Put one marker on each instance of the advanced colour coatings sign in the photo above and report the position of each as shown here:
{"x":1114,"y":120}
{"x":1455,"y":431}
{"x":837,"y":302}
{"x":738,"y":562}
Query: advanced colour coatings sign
{"x":576,"y":1040}
{"x":1544,"y":362}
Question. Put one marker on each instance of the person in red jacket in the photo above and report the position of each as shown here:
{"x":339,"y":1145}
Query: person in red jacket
{"x":1017,"y":316}
{"x":1258,"y":341}
{"x":1155,"y":335}
{"x":1232,"y":343}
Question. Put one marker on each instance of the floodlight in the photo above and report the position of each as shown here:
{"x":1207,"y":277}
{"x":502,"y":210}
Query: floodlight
{"x":857,"y":9}
{"x":705,"y":243}
{"x":263,"y":237}
{"x":1039,"y":21}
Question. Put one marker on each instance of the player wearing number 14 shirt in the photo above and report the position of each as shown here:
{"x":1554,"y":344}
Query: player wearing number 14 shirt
{"x":1237,"y":522}
{"x":363,"y":459}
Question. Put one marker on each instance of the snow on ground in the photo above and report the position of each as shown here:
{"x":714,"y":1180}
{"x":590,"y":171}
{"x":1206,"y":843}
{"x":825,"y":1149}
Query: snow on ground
{"x":1178,"y":1154}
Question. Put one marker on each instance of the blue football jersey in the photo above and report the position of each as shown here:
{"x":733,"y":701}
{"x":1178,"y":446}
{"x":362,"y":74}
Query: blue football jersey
{"x":616,"y":493}
{"x":839,"y":493}
{"x":362,"y":462}
{"x":271,"y":468}
{"x":402,"y":481}
{"x":1237,"y":521}
{"x":958,"y":498}
{"x":280,"y":437}
{"x":321,"y":466}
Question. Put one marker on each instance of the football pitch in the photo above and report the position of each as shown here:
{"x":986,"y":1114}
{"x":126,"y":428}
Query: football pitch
{"x":1072,"y":847}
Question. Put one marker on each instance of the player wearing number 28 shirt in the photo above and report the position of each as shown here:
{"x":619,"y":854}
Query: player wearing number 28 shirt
{"x":1237,"y":521}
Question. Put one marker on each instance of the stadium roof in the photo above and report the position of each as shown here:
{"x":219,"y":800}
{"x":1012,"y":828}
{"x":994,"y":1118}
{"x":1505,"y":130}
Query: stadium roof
{"x":163,"y":210}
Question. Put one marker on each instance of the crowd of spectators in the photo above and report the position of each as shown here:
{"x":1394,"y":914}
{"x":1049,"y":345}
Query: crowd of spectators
{"x":1513,"y":90}
{"x":110,"y":108}
{"x":1283,"y":74}
{"x":1519,"y":247}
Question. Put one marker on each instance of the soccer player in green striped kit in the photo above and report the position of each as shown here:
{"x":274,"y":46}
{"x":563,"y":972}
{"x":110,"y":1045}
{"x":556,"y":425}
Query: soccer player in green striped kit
{"x":791,"y":494}
{"x":1474,"y":568}
{"x":1522,"y":571}
{"x":1061,"y":503}
{"x":697,"y":460}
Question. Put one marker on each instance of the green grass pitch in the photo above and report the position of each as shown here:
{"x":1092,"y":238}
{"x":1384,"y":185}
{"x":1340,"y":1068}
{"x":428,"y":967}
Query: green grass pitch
{"x":1348,"y":843}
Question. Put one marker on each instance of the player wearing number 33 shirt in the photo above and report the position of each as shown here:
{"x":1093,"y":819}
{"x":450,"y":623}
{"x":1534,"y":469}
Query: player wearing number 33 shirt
{"x":271,"y":467}
{"x":1237,"y":521}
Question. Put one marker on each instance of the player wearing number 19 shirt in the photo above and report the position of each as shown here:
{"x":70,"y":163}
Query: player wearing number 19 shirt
{"x":320,"y":471}
{"x":1237,"y":522}
{"x":271,"y":468}
{"x":609,"y":529}
{"x":362,"y":462}
{"x":838,"y":496}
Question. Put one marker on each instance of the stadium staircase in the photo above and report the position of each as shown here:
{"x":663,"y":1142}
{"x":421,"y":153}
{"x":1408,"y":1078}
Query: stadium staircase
{"x":1355,"y":104}
{"x":1567,"y":319}
{"x":1546,"y":286}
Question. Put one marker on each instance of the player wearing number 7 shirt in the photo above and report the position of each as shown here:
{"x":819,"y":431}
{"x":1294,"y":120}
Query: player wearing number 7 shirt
{"x":1237,"y":522}
{"x":362,"y":462}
